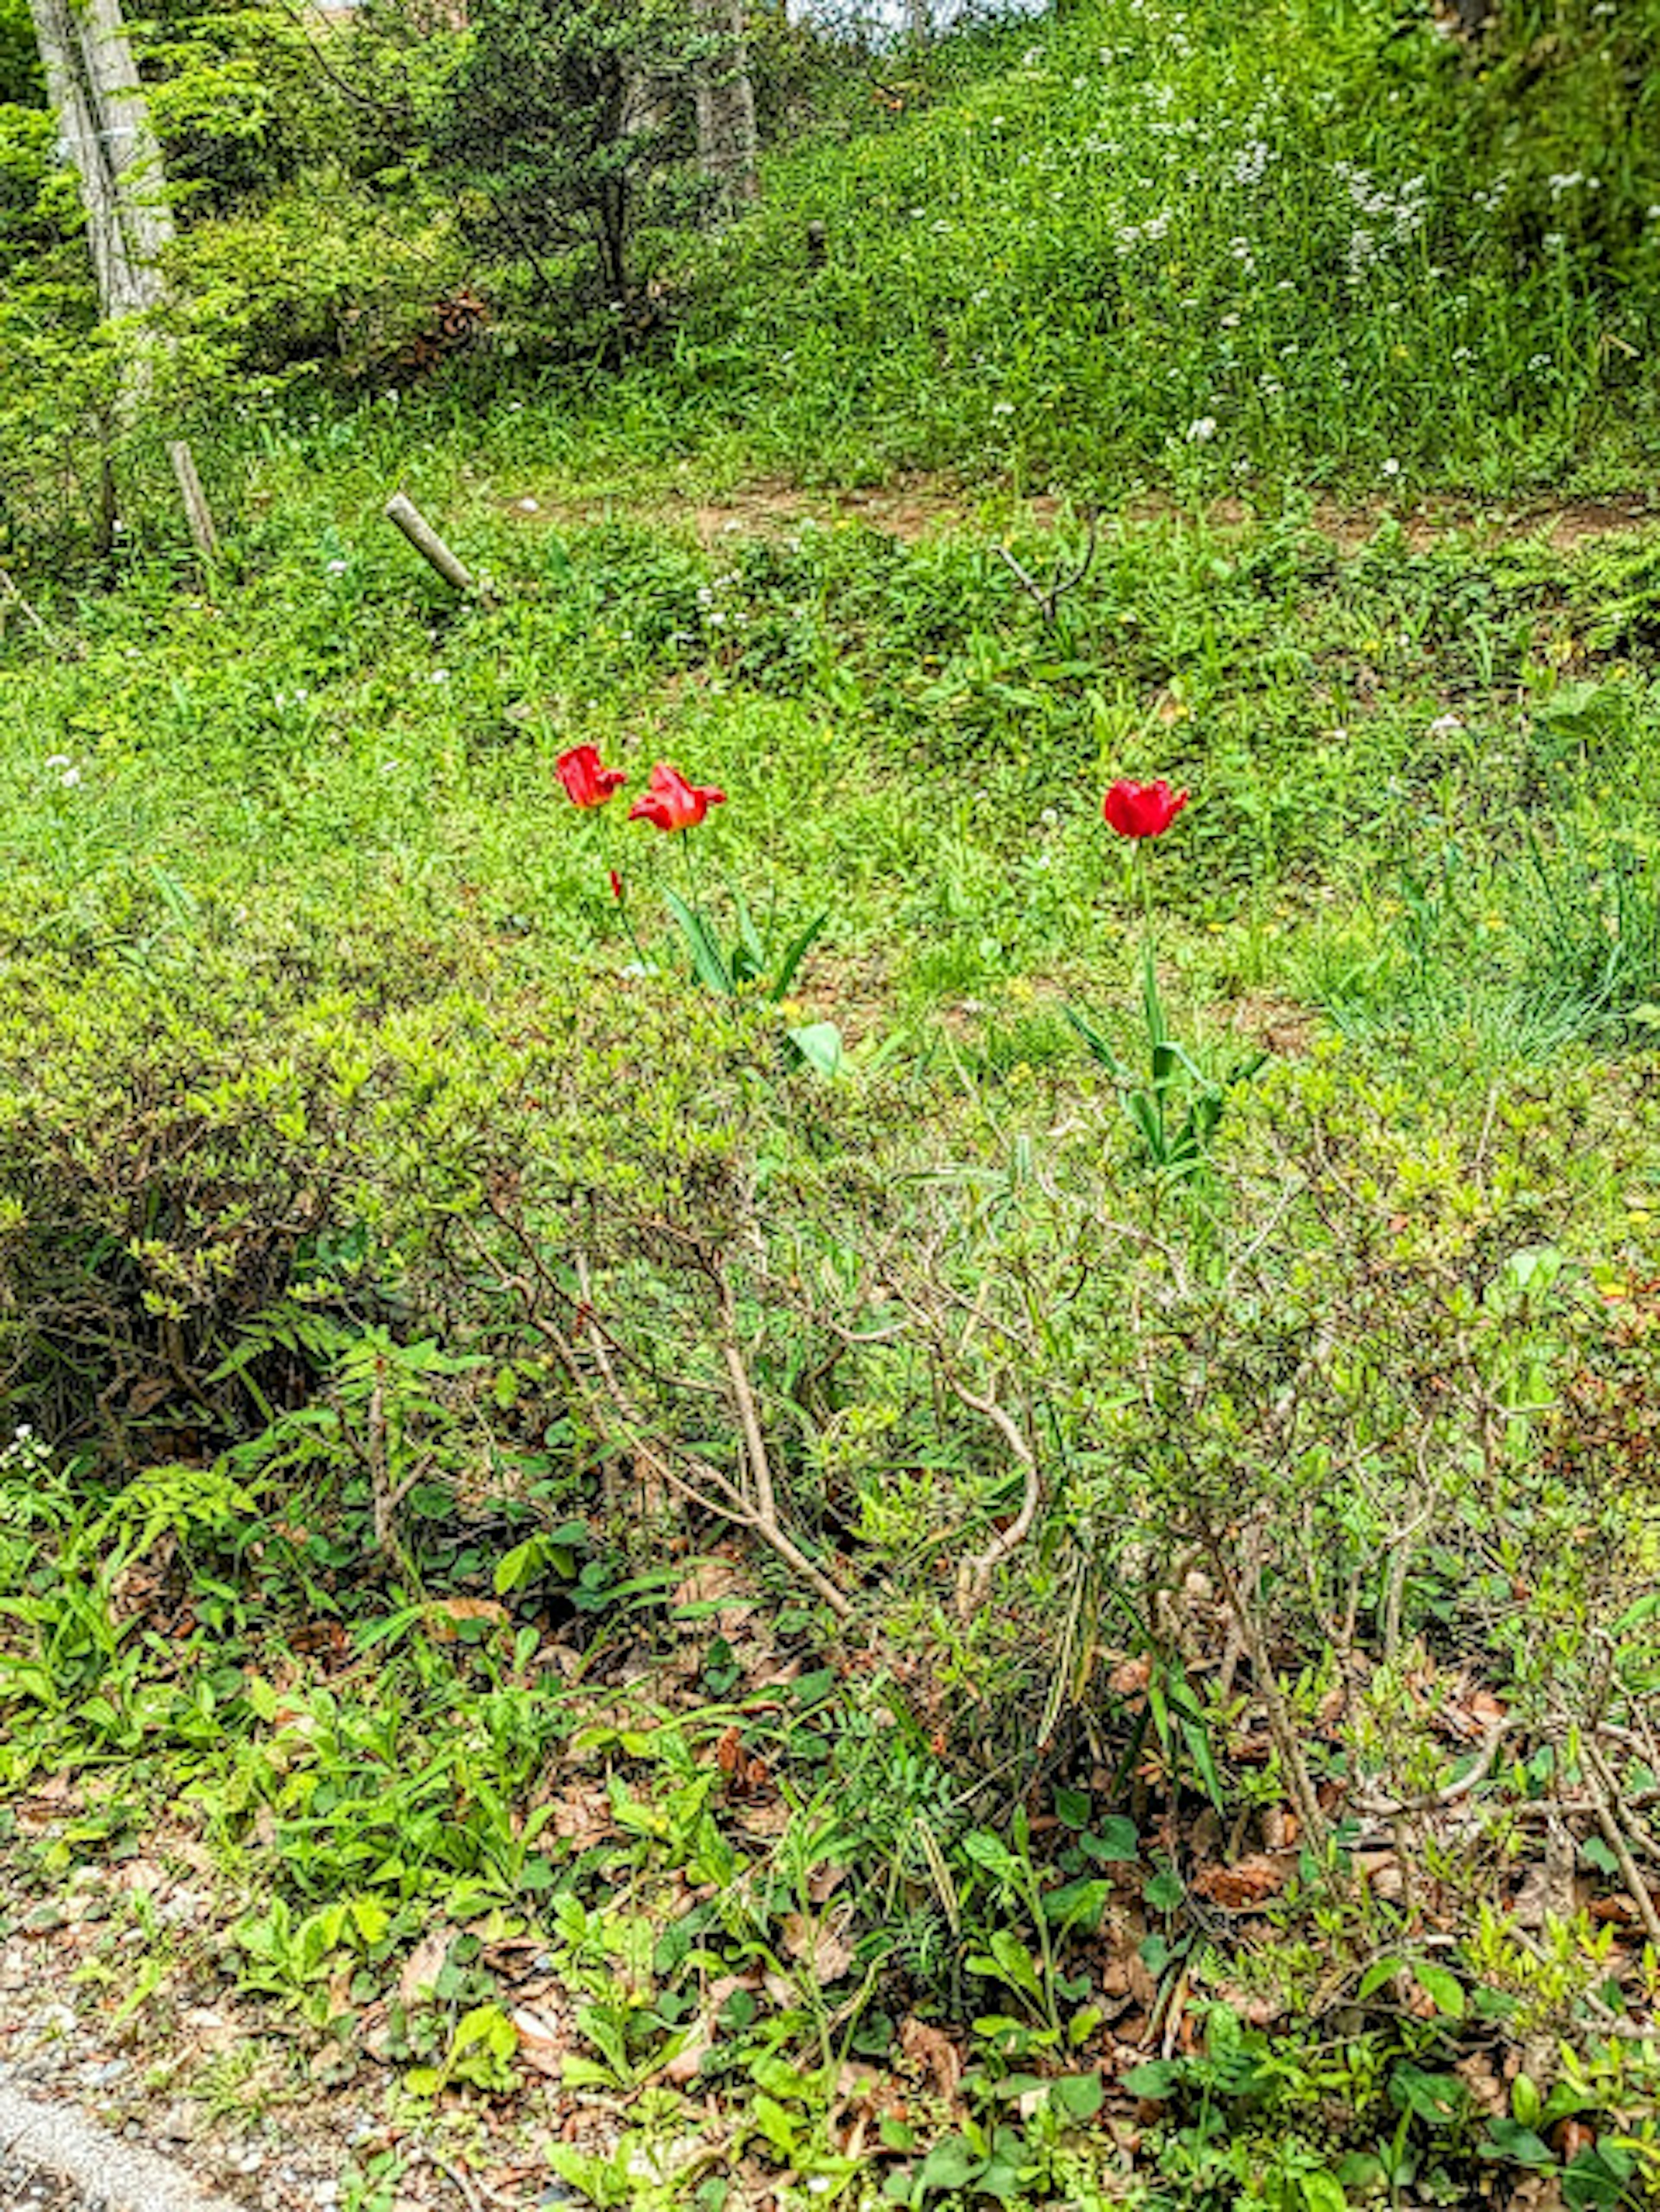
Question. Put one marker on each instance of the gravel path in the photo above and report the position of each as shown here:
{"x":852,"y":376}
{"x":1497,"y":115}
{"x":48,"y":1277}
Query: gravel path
{"x":25,"y":2189}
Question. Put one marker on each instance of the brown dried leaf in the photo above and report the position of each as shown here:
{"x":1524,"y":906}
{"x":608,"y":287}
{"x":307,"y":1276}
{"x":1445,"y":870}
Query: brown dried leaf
{"x":425,"y":1963}
{"x":1243,"y":1885}
{"x":582,"y":1814}
{"x":1487,"y":2091}
{"x":933,"y":2054}
{"x":1382,"y":1870}
{"x":1281,"y":1828}
{"x":445,"y":1615}
{"x":543,"y":2042}
{"x":721,"y":1585}
{"x":823,"y":1946}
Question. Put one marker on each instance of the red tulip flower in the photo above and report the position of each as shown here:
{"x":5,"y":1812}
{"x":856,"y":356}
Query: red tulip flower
{"x":1142,"y":809}
{"x":671,"y":803}
{"x":587,"y":781}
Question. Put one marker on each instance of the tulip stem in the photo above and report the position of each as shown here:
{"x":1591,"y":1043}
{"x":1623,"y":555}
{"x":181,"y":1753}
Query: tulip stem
{"x":618,"y":882}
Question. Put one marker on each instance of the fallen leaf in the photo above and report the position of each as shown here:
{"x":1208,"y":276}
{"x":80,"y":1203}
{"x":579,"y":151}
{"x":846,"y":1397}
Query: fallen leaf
{"x":445,"y":1615}
{"x":721,"y":1591}
{"x":1487,"y":2090}
{"x":934,"y":2054}
{"x":1243,"y":1885}
{"x":425,"y":1963}
{"x":1571,"y":2136}
{"x":582,"y":1815}
{"x":823,"y":1946}
{"x":687,"y":2062}
{"x":543,"y":2042}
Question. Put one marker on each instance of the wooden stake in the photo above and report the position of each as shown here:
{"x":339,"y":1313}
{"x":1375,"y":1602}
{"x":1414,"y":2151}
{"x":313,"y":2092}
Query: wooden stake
{"x":197,"y":512}
{"x":402,"y":510}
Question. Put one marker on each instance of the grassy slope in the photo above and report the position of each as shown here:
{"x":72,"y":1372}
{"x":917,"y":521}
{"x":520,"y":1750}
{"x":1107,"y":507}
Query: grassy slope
{"x":313,"y":819}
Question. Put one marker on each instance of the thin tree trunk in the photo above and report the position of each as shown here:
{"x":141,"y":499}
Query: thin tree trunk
{"x":726,"y":144}
{"x":92,"y":82}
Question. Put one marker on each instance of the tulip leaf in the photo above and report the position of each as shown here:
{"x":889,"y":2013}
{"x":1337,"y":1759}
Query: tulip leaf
{"x":706,"y":957}
{"x":796,"y":953}
{"x":1099,"y":1046}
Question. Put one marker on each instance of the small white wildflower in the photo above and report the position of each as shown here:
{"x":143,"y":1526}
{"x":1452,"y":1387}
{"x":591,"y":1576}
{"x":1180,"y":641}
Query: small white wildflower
{"x":70,"y":778}
{"x":440,"y":675}
{"x":1446,"y":726}
{"x":1049,"y":818}
{"x":1003,"y":407}
{"x":528,"y":506}
{"x":58,"y":759}
{"x":337,"y":567}
{"x":1391,"y":468}
{"x":1201,"y":432}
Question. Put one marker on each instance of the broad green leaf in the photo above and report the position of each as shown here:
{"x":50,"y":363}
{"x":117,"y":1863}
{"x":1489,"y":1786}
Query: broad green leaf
{"x":1321,"y":2192}
{"x":1112,"y":1842}
{"x":1072,"y":1807}
{"x":1445,"y":1991}
{"x":1157,"y":2079}
{"x":949,"y":2165}
{"x":1078,"y":1904}
{"x":820,"y":1046}
{"x":1380,"y":1972}
{"x":1509,"y":2139}
{"x":1079,"y":2096}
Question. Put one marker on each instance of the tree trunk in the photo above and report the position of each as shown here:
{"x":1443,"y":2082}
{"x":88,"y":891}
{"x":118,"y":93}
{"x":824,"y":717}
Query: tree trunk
{"x":92,"y":82}
{"x":725,"y":108}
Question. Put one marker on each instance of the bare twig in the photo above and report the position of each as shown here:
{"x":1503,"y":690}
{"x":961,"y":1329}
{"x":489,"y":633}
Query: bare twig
{"x":1605,"y":1794}
{"x":1047,"y":598}
{"x":9,"y":587}
{"x":1430,"y":1801}
{"x":706,"y":1488}
{"x":754,"y":1442}
{"x":974,"y":1576}
{"x":1266,"y":1682}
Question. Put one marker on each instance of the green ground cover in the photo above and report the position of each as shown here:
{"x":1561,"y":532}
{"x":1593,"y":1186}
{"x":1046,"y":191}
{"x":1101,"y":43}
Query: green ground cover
{"x":921,"y":1580}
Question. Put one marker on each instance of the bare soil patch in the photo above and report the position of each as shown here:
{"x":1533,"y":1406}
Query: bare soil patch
{"x":916,"y":506}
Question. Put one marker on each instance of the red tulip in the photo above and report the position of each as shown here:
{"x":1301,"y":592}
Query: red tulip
{"x":671,"y":803}
{"x":586,"y":782}
{"x":1142,"y":809}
